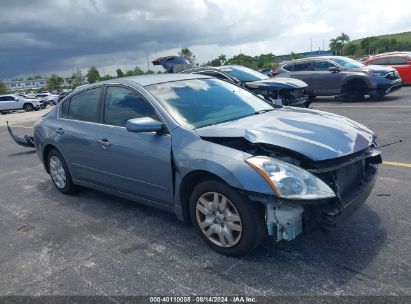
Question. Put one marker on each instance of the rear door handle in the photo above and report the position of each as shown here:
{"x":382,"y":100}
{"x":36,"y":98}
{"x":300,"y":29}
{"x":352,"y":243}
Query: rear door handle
{"x":60,"y":131}
{"x":104,"y":142}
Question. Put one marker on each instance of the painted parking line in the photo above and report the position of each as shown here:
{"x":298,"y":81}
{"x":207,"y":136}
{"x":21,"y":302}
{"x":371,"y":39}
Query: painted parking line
{"x":385,"y":121}
{"x":388,"y":163}
{"x":372,"y":107}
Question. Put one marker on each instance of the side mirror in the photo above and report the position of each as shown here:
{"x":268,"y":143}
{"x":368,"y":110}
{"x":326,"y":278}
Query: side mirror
{"x":144,"y":124}
{"x":333,"y":69}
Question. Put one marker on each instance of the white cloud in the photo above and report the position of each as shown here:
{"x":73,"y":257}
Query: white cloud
{"x":319,"y":27}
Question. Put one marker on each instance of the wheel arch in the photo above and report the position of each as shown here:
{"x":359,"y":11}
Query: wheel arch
{"x":46,"y":151}
{"x":28,"y":103}
{"x":189,"y":181}
{"x":355,"y":80}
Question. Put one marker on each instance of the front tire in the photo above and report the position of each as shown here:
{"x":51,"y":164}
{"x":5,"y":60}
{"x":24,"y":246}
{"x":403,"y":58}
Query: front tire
{"x":28,"y":107}
{"x":227,"y":221}
{"x":59,"y":173}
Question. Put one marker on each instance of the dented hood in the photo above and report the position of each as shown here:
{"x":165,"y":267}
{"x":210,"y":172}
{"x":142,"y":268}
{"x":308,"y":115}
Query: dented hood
{"x":277,"y":83}
{"x":315,"y":134}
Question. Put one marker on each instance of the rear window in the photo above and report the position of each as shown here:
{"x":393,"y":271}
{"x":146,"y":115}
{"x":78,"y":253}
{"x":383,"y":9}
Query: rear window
{"x":397,"y":60}
{"x":379,"y":61}
{"x":288,"y":67}
{"x":302,"y":66}
{"x":84,"y":105}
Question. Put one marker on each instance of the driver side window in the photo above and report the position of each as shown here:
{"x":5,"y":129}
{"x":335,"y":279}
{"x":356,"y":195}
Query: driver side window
{"x":122,"y":104}
{"x":322,"y":65}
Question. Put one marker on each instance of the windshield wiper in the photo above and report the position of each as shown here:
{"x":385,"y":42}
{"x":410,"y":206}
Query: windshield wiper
{"x":263,"y":111}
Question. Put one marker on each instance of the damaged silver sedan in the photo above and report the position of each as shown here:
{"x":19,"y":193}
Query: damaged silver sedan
{"x":238,"y":168}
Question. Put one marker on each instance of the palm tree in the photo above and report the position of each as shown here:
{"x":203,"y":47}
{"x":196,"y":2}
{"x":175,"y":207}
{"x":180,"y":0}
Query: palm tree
{"x":343,"y":39}
{"x":334,"y":46}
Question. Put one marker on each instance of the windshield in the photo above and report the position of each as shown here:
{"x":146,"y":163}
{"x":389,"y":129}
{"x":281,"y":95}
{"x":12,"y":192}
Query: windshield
{"x":198,"y":103}
{"x":348,"y":63}
{"x":244,"y":74}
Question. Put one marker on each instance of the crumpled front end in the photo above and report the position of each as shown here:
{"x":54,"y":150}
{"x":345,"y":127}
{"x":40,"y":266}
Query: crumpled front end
{"x":351,"y":178}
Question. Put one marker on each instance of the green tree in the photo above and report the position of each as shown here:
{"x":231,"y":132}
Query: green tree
{"x":54,"y":82}
{"x":215,"y":62}
{"x":351,"y":49}
{"x":295,"y":56}
{"x":138,"y":71}
{"x":3,"y":88}
{"x":187,"y":54}
{"x":335,"y":46}
{"x":76,"y":79}
{"x":92,"y":75}
{"x":222,"y":59}
{"x":148,"y":72}
{"x":265,"y":60}
{"x":119,"y":73}
{"x":106,"y":77}
{"x":241,"y":59}
{"x":343,"y":39}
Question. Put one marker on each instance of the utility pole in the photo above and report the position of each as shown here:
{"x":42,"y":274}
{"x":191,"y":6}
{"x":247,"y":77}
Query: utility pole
{"x":148,"y":64}
{"x":311,"y":39}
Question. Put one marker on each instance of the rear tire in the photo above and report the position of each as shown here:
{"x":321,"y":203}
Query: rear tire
{"x":228,"y":222}
{"x":28,"y":107}
{"x":59,"y":173}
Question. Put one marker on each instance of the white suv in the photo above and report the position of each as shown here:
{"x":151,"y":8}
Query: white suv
{"x":16,"y":102}
{"x":50,"y":98}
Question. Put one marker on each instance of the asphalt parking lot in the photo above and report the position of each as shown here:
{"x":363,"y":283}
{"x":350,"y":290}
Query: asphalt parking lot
{"x":94,"y":244}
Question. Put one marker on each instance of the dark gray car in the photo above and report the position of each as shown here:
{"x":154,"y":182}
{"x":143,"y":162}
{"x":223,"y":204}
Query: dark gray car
{"x":342,"y":76}
{"x":211,"y":152}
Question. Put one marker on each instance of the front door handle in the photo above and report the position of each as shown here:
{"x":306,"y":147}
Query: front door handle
{"x":104,"y":142}
{"x":60,"y":131}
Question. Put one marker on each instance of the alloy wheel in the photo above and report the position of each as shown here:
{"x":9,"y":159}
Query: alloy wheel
{"x":218,"y":219}
{"x":57,"y":172}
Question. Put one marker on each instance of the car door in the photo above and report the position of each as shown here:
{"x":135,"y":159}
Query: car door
{"x":17,"y":102}
{"x":403,"y":67}
{"x":302,"y":70}
{"x":75,"y":133}
{"x":8,"y":103}
{"x":138,"y":164}
{"x":3,"y":103}
{"x":325,"y":82}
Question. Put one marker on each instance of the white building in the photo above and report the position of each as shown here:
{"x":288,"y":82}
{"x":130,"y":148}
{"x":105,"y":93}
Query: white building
{"x":34,"y":84}
{"x":26,"y":84}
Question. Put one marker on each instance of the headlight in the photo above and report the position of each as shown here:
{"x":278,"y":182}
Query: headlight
{"x":378,"y":75}
{"x":289,"y":181}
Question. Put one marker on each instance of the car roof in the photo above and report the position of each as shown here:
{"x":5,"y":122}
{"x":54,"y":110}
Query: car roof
{"x":146,"y":80}
{"x":311,"y":58}
{"x":391,"y":54}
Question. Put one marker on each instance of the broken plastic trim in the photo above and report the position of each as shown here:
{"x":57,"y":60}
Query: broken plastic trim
{"x":284,"y":221}
{"x":25,"y":141}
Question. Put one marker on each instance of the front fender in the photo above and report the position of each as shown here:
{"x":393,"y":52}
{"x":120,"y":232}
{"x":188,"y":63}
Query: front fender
{"x":192,"y":153}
